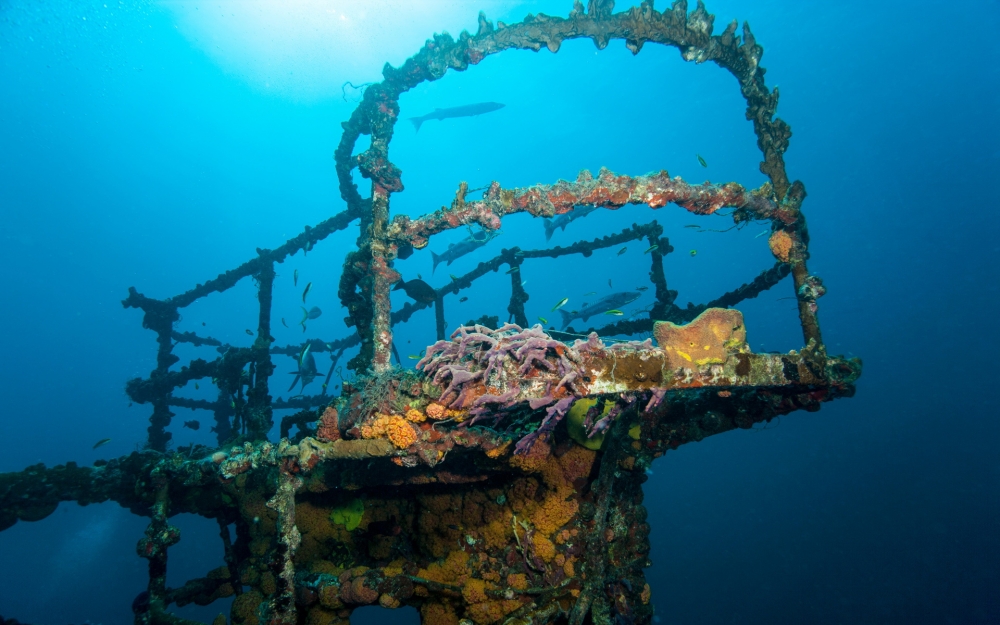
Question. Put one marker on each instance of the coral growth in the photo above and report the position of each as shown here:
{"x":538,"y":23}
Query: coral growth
{"x":327,"y":428}
{"x":393,"y":427}
{"x":781,"y":244}
{"x":709,"y":339}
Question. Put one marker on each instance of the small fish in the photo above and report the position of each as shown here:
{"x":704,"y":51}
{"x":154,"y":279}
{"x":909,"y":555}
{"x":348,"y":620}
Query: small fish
{"x":591,"y":293}
{"x":623,"y":250}
{"x":513,"y":269}
{"x":306,"y":292}
{"x":194,"y":425}
{"x":642,"y":288}
{"x":419,"y":277}
{"x":196,"y":387}
{"x":761,"y":234}
{"x":701,"y":160}
{"x":543,"y":320}
{"x":453,"y":277}
{"x":463,"y":299}
{"x":694,"y":252}
{"x":413,"y":357}
{"x":103,"y":441}
{"x":307,"y":248}
{"x":561,"y":303}
{"x":524,"y":283}
{"x":283,"y":322}
{"x":615,"y":312}
{"x":202,"y":323}
{"x":609,"y":284}
{"x":249,"y":332}
{"x":651,"y":248}
{"x":295,"y":278}
{"x":692,"y":226}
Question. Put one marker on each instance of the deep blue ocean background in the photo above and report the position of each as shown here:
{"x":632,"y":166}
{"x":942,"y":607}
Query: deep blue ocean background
{"x":157,"y":144}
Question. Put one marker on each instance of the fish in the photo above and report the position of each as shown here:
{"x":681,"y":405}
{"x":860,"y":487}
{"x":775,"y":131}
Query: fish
{"x":609,"y":304}
{"x":642,"y":288}
{"x":453,"y":277}
{"x":467,"y":110}
{"x":591,"y":293}
{"x":701,"y":160}
{"x":295,"y":278}
{"x":460,"y":249}
{"x":622,"y":251}
{"x":651,"y":248}
{"x":307,"y":370}
{"x":543,"y":320}
{"x":609,"y":284}
{"x":463,"y":299}
{"x":312,"y":313}
{"x":249,"y":332}
{"x":692,"y":226}
{"x":307,"y":248}
{"x":196,"y":387}
{"x":283,"y":322}
{"x":419,"y":290}
{"x":524,"y":283}
{"x":561,"y":303}
{"x":103,"y":441}
{"x":512,"y":269}
{"x":194,"y":425}
{"x":306,"y":292}
{"x":761,"y":234}
{"x":694,"y":252}
{"x":413,"y":357}
{"x":560,"y":222}
{"x":615,"y":312}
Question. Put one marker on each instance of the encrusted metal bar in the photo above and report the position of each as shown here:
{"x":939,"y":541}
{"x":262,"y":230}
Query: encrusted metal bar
{"x":258,"y":400}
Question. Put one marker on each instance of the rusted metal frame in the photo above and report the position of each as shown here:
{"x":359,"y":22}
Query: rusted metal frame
{"x":764,"y":281}
{"x":258,"y":399}
{"x":518,"y":296}
{"x":303,"y":241}
{"x":660,"y":247}
{"x":282,"y":604}
{"x":159,"y":537}
{"x":691,"y":34}
{"x":593,"y":590}
{"x":379,"y":111}
{"x":607,"y":190}
{"x":159,"y":316}
{"x":194,"y":339}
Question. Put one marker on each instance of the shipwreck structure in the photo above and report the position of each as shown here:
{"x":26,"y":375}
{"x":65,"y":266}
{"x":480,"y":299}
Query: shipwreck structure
{"x":500,"y":481}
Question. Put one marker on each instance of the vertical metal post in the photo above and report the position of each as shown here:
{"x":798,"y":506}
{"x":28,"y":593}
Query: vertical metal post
{"x":518,"y":296}
{"x":439,"y":321}
{"x":258,"y":400}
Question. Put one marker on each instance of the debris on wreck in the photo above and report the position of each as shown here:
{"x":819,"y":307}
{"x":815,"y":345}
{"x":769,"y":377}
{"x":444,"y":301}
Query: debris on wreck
{"x":500,"y":481}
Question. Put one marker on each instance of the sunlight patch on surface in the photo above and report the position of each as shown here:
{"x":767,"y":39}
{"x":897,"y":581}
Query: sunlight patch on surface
{"x":305,"y":50}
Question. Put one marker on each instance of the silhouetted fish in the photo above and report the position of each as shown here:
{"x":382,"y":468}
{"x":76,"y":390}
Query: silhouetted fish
{"x":469,"y":110}
{"x":418,"y":290}
{"x":194,"y":425}
{"x":608,"y":303}
{"x":463,"y":247}
{"x":560,"y":222}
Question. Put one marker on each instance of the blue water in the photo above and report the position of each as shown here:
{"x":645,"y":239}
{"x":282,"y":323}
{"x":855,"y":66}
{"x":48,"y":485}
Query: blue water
{"x":158,"y":144}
